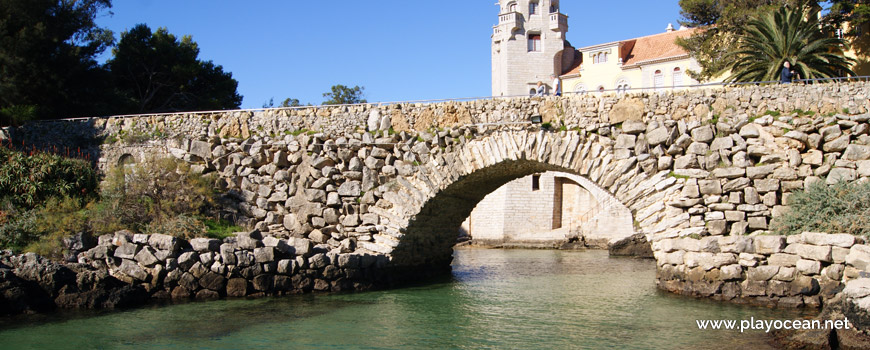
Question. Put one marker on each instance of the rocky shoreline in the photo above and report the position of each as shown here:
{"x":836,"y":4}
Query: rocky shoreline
{"x":31,"y":284}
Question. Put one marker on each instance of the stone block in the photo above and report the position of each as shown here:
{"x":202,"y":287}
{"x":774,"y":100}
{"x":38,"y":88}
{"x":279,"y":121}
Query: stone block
{"x":703,"y":134}
{"x":731,"y":272}
{"x":717,"y":227}
{"x":708,"y":187}
{"x":264,"y":254}
{"x":738,"y":228}
{"x":769,"y":244}
{"x":164,"y":242}
{"x":783,"y":259}
{"x":808,"y":267}
{"x":819,"y":238}
{"x":205,"y":244}
{"x":126,"y":251}
{"x":761,"y":273}
{"x":145,"y":257}
{"x":766,"y":185}
{"x":734,"y":215}
{"x":757,"y":222}
{"x":786,"y":273}
{"x":806,"y":251}
{"x":838,"y":254}
{"x":237,"y":287}
{"x":859,"y":257}
{"x":729,"y":173}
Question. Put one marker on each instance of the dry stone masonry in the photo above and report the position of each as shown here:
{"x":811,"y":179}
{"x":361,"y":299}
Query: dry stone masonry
{"x":793,"y":271}
{"x":352,"y":196}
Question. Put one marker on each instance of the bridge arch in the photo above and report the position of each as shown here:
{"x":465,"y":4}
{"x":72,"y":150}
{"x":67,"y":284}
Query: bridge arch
{"x":425,"y":209}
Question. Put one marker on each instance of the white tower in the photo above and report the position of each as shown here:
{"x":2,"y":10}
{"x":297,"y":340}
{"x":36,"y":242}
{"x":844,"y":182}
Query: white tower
{"x":528,"y":45}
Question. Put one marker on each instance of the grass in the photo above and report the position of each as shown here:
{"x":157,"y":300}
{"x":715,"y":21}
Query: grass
{"x":675,"y":175}
{"x":220,"y":229}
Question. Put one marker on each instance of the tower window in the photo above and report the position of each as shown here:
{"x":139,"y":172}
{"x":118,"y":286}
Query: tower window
{"x":533,"y":7}
{"x":512,"y":7}
{"x":535,"y":43}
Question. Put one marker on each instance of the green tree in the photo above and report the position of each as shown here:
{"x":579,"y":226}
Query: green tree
{"x":343,"y":95}
{"x":722,"y":22}
{"x":854,"y":12}
{"x":156,"y":72}
{"x":47,"y":59}
{"x":288,"y":102}
{"x":788,"y":34}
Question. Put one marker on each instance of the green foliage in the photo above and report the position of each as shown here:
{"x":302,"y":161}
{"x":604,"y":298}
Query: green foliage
{"x":801,"y":112}
{"x":16,"y":115}
{"x":153,"y":193}
{"x":840,"y":208}
{"x":157,"y":72}
{"x":343,"y":95}
{"x":854,"y":12}
{"x":288,"y":102}
{"x":772,"y":113}
{"x":546,"y":126}
{"x":47,"y":57}
{"x":29,"y":179}
{"x":787,"y":35}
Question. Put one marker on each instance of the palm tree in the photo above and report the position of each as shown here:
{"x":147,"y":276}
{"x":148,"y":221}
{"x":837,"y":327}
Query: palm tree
{"x":788,"y":34}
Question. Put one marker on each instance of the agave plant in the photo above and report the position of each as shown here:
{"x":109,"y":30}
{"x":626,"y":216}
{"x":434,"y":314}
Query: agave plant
{"x":788,"y":34}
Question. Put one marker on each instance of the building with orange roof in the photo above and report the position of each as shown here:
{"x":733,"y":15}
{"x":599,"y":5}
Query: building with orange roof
{"x":648,"y":63}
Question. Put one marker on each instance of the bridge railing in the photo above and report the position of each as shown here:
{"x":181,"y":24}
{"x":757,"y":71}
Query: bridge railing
{"x":661,"y":89}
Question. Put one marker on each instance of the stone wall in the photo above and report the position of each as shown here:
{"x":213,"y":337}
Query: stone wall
{"x":791,"y":271}
{"x":243,"y":265}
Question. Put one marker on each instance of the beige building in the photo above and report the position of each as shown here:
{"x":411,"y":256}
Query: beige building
{"x":550,"y":208}
{"x":528,"y":45}
{"x":649,"y":63}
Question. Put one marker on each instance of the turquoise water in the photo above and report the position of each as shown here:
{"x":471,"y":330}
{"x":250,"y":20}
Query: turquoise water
{"x":495,"y":299}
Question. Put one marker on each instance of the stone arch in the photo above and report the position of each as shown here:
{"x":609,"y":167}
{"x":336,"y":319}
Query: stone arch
{"x":424,"y":210}
{"x":126,"y":159}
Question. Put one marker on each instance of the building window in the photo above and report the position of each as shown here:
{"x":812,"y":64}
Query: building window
{"x":658,"y":79}
{"x":678,"y":77}
{"x":536,"y":182}
{"x":622,"y":86}
{"x":601,"y":88}
{"x":533,"y":7}
{"x":600,"y":57}
{"x":534,"y":42}
{"x":532,"y":92}
{"x":512,"y":7}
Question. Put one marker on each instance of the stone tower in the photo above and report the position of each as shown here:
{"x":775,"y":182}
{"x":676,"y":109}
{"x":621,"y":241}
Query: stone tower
{"x":528,"y":44}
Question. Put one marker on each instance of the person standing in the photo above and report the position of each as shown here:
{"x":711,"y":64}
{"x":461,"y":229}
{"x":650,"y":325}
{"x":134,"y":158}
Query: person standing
{"x":557,"y":85}
{"x":787,"y":73}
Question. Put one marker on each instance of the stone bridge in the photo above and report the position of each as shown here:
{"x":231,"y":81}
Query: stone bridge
{"x":396,"y":181}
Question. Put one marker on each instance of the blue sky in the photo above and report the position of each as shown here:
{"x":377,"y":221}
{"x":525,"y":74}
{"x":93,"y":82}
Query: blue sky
{"x":397,"y":49}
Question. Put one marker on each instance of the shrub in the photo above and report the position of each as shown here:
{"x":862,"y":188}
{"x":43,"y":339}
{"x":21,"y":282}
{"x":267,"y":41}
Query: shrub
{"x":840,"y":208}
{"x":42,"y":229}
{"x":153,"y":194}
{"x":56,"y":219}
{"x":26,"y":180}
